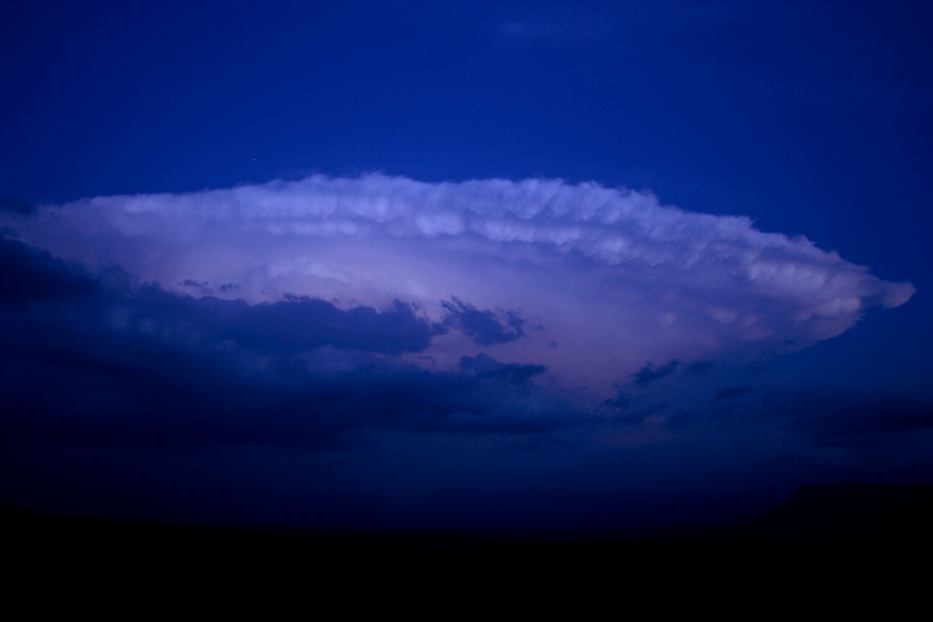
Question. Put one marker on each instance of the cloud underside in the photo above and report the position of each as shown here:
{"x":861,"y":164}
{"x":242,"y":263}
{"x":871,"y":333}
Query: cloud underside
{"x":101,"y":361}
{"x":587,"y":280}
{"x":361,"y":315}
{"x":98,"y":361}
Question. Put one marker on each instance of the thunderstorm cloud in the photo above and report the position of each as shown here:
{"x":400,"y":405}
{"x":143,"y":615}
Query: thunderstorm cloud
{"x":586,"y":281}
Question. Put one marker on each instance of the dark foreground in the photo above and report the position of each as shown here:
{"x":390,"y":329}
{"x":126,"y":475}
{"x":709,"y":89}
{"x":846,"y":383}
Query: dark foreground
{"x":849,"y":533}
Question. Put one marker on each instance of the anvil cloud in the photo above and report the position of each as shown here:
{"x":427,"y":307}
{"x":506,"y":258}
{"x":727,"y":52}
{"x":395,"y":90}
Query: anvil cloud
{"x":588,"y":281}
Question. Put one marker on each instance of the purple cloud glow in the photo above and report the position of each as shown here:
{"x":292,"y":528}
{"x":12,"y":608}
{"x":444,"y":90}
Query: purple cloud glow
{"x":589,"y":281}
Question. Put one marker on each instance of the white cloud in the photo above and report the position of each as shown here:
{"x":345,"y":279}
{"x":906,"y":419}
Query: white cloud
{"x":611,"y":275}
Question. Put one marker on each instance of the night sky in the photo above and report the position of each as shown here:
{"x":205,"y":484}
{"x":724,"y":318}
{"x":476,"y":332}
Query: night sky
{"x":506,"y":266}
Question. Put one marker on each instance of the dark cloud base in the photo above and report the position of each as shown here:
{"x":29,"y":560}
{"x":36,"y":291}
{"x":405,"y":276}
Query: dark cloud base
{"x":124,"y":399}
{"x":134,"y":363}
{"x":103,"y":366}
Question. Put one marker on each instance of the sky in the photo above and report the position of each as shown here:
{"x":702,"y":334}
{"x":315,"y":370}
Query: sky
{"x":462,"y":266}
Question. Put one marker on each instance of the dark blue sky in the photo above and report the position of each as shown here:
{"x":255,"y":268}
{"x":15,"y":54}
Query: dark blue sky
{"x":812,"y":118}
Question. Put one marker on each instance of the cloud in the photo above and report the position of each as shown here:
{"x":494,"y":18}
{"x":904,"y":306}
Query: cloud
{"x":106,"y":362}
{"x":485,"y":327}
{"x":845,"y":419}
{"x":649,"y":374}
{"x":611,"y":275}
{"x":485,"y":366}
{"x":296,"y":324}
{"x":27,"y":274}
{"x":123,"y":379}
{"x":794,"y":416}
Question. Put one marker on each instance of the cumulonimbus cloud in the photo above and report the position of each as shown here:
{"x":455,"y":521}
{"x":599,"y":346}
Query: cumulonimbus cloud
{"x":589,"y":281}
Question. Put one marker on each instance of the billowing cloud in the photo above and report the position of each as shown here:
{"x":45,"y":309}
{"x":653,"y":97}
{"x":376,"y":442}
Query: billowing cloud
{"x":588,"y":281}
{"x":119,"y":393}
{"x":103,"y":361}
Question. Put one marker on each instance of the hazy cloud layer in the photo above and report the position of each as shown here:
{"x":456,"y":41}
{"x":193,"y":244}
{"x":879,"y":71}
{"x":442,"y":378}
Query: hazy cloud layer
{"x":609,"y":278}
